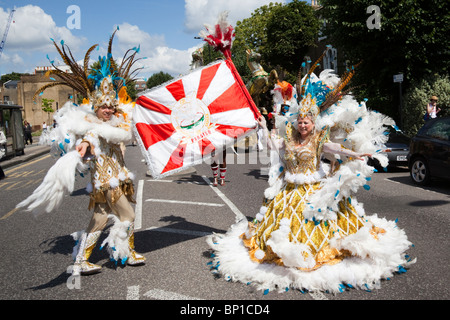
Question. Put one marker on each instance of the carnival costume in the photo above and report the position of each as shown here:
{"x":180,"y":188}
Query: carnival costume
{"x":311,"y":233}
{"x":111,"y":187}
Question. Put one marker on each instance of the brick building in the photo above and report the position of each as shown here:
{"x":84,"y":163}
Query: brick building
{"x":32,"y":110}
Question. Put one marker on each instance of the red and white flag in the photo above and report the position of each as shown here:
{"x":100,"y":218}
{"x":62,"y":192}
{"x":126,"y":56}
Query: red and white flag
{"x":179,"y":124}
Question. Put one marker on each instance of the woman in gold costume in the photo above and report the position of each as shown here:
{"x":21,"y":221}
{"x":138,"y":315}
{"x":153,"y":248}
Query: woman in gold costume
{"x":310,"y":232}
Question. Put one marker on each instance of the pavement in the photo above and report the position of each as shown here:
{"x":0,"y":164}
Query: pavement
{"x":30,"y":152}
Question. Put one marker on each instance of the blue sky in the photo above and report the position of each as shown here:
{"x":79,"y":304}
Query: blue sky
{"x":165,"y":30}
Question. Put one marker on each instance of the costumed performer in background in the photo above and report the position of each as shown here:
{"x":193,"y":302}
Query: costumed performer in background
{"x":310,"y":232}
{"x":92,"y":135}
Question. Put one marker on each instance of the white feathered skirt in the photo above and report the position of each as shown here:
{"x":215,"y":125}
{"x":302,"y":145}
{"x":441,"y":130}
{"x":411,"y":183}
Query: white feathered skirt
{"x":286,"y":251}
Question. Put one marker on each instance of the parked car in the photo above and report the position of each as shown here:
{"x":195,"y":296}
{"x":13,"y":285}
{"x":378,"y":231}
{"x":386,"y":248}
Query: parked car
{"x":397,"y":148}
{"x":429,"y":151}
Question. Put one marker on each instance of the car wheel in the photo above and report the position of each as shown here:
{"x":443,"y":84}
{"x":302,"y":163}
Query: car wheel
{"x":419,"y":171}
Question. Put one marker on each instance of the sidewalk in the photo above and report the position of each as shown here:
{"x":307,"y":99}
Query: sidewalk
{"x":31,"y":151}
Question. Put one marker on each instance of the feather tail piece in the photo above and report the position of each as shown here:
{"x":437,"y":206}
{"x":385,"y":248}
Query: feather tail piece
{"x":58,"y":182}
{"x":221,"y":36}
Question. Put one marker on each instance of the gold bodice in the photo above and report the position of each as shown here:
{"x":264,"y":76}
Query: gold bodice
{"x":108,"y":165}
{"x":303,"y":158}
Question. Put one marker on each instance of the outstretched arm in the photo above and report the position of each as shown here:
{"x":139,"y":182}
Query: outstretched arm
{"x":336,"y":148}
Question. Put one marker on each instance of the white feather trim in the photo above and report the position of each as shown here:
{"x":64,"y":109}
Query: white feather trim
{"x":89,"y":187}
{"x":117,"y":240}
{"x":114,"y":182}
{"x":77,"y":237}
{"x":374,"y":260}
{"x":58,"y":181}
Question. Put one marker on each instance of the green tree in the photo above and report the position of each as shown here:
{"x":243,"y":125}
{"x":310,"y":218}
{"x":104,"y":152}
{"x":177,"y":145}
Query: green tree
{"x":238,"y":56}
{"x":291,"y":30}
{"x":158,"y":78}
{"x":412,"y":40}
{"x":11,"y":76}
{"x":131,"y":89}
{"x":47,"y":106}
{"x":418,"y":96}
{"x":251,"y":33}
{"x":280,"y":33}
{"x":211,"y":55}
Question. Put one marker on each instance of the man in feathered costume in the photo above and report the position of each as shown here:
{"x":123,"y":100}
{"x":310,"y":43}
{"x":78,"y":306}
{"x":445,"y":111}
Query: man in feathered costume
{"x":93,"y":135}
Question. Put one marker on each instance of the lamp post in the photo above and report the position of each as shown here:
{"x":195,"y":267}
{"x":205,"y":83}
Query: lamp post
{"x":399,"y":79}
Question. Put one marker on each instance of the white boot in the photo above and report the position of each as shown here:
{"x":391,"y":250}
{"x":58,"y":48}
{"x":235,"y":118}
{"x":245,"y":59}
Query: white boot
{"x":87,"y":244}
{"x":134,"y":258}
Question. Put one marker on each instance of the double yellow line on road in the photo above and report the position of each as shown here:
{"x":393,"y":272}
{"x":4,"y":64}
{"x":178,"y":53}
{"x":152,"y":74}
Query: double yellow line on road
{"x":17,"y":168}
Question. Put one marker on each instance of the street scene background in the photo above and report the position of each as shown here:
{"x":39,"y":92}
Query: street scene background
{"x":174,"y":217}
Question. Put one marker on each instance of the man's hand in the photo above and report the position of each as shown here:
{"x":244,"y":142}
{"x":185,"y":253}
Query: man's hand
{"x":82,"y":147}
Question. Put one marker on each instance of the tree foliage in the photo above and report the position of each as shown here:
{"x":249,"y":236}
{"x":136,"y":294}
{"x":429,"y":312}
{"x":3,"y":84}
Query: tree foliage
{"x":291,"y":30}
{"x":412,"y":40}
{"x":11,"y":76}
{"x":280,"y":33}
{"x":417,"y":98}
{"x":158,"y":79}
{"x":251,"y":33}
{"x":47,"y":105}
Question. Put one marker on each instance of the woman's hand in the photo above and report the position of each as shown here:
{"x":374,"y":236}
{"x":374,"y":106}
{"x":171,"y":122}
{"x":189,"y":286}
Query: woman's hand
{"x":262,"y":122}
{"x":362,"y":155}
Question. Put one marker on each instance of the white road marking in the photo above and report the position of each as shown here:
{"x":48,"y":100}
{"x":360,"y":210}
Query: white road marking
{"x":431,"y":191}
{"x":167,"y":295}
{"x":318,"y":295}
{"x":138,"y":208}
{"x":133,"y":293}
{"x":177,"y":181}
{"x":187,"y":202}
{"x":237,"y":212}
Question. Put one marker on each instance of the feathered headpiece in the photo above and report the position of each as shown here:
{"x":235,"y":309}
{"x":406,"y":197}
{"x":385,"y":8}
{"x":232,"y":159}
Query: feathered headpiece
{"x":220,"y":37}
{"x":98,"y":85}
{"x":316,"y":96}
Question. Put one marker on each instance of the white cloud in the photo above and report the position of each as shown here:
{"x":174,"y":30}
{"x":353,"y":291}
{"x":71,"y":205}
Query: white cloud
{"x":14,"y":59}
{"x":29,"y":34}
{"x":32,"y":29}
{"x":130,"y":36}
{"x":159,"y":57}
{"x":200,"y":12}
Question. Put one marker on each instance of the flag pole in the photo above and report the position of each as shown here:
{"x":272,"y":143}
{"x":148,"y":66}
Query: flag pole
{"x":238,"y":78}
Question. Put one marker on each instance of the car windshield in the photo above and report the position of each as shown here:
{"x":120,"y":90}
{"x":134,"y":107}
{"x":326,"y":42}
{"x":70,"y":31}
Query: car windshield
{"x":440,"y":129}
{"x":397,"y":137}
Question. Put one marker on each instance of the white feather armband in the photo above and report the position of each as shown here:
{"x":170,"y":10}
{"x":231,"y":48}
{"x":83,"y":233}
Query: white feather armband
{"x":59,"y":180}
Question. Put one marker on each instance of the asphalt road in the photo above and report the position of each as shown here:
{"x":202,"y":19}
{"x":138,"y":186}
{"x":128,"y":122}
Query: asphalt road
{"x":174,"y":215}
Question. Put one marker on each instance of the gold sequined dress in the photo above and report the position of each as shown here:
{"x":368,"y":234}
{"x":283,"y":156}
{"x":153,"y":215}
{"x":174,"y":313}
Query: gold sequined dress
{"x":284,"y":249}
{"x":284,"y":215}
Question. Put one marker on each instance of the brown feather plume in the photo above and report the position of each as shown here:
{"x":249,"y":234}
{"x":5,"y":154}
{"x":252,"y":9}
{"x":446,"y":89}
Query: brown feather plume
{"x":79,"y":80}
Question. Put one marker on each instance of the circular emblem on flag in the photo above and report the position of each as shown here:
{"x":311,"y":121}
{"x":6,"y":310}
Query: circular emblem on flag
{"x":190,"y":116}
{"x":180,"y":123}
